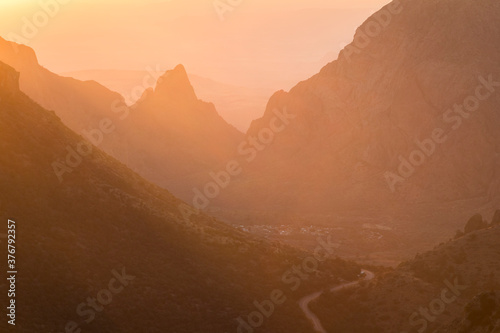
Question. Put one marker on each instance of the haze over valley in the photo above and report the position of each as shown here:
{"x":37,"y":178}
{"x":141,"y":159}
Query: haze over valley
{"x":264,"y":166}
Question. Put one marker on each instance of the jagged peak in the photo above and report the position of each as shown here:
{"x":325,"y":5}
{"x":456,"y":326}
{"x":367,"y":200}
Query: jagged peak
{"x":175,"y":84}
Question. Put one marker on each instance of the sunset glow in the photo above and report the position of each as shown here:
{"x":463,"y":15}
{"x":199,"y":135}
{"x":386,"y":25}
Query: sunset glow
{"x":250,"y":166}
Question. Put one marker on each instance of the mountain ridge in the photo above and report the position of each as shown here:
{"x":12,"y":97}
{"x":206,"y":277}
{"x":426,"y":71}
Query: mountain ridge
{"x":190,"y":271}
{"x":371,"y":110}
{"x":191,"y":138}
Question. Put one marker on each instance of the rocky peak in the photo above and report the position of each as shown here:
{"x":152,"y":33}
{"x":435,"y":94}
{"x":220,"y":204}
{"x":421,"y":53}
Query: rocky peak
{"x":175,"y":85}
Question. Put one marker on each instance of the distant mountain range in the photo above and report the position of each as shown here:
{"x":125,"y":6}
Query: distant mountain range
{"x":402,"y":124}
{"x":237,"y":105}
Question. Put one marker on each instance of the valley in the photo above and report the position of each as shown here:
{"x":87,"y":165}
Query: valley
{"x":365,"y":198}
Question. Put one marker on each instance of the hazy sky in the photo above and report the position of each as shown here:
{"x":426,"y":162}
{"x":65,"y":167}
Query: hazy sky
{"x":258,"y":42}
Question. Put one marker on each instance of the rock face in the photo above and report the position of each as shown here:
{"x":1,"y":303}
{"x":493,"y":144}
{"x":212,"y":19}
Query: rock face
{"x":169,"y":137}
{"x":407,"y":115}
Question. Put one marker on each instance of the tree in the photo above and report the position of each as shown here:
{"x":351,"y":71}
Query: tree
{"x":475,"y":223}
{"x":496,"y":218}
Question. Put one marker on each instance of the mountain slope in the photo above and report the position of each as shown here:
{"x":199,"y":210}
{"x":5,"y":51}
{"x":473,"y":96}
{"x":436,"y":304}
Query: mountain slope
{"x":237,"y":105}
{"x":437,"y":291}
{"x":388,"y":100}
{"x":104,"y":225}
{"x":179,"y":138}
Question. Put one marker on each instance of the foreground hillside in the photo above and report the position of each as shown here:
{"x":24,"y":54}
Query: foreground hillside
{"x":449,"y":289}
{"x":152,"y":263}
{"x":434,"y":65}
{"x":237,"y":105}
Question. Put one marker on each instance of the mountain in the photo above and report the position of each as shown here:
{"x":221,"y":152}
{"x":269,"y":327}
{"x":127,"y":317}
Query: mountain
{"x":453,"y":288}
{"x":106,"y":251}
{"x":169,"y":138}
{"x":79,"y":104}
{"x":237,"y":105}
{"x":401,"y":127}
{"x":481,"y":315}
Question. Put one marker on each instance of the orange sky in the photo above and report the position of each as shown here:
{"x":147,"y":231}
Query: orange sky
{"x":272,"y":43}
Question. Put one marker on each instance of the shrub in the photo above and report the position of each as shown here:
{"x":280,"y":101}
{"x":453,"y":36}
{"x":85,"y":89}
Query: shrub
{"x":475,"y":223}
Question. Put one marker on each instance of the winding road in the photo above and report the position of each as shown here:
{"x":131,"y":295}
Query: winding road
{"x":304,"y":302}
